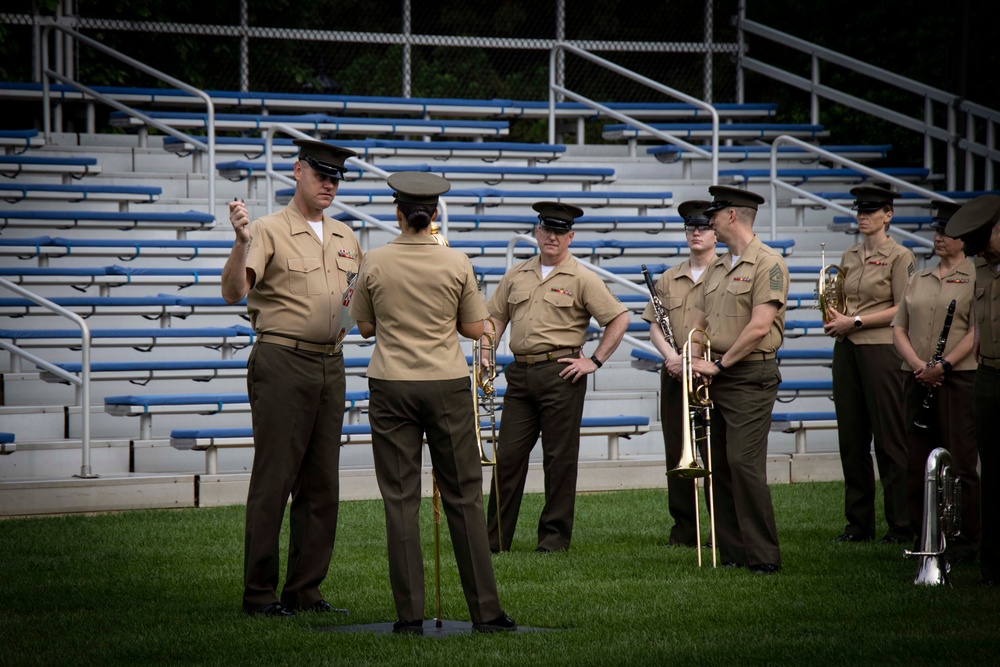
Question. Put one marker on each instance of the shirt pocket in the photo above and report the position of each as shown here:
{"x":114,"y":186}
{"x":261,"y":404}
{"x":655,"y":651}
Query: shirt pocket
{"x":517,"y":304}
{"x":558,"y":310}
{"x":738,"y":301}
{"x":305,"y":276}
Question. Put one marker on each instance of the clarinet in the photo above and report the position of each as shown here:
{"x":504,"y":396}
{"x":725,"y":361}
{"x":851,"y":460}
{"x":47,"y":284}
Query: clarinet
{"x":923,"y":417}
{"x":661,"y":315}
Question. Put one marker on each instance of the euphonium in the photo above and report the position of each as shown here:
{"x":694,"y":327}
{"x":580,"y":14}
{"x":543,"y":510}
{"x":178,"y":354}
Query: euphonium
{"x":482,"y":380}
{"x":830,"y":287}
{"x":942,"y":519}
{"x":696,"y":407}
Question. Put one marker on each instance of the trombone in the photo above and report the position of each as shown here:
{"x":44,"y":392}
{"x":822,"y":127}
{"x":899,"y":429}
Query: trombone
{"x":485,"y":410}
{"x":696,"y":406}
{"x":830,"y":287}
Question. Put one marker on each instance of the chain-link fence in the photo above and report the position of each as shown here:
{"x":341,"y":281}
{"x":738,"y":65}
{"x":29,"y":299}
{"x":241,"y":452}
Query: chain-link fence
{"x":416,"y":48}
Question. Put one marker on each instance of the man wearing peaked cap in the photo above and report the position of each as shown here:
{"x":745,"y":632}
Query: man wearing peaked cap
{"x":672,"y":289}
{"x":976,"y":223}
{"x":294,"y":268}
{"x":726,"y":197}
{"x":741,"y":303}
{"x":548,"y":302}
{"x":556,"y":215}
{"x":324,"y":158}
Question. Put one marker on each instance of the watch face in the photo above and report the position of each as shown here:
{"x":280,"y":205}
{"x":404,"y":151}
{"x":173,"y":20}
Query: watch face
{"x":857,"y":322}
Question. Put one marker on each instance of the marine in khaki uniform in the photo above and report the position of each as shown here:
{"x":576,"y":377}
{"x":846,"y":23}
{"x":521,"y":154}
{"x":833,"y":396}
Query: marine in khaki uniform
{"x":416,"y":295}
{"x":293,"y":267}
{"x":547,"y":302}
{"x":672,"y":288}
{"x":741,"y":299}
{"x":978,"y":225}
{"x":947,"y":422}
{"x":867,"y":380}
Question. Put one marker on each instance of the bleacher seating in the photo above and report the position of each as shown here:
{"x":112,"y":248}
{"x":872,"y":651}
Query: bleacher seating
{"x":20,"y":191}
{"x":62,"y":219}
{"x":12,"y":166}
{"x":8,"y":443}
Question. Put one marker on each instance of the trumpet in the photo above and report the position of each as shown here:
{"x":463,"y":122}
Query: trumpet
{"x":696,"y":406}
{"x":830,"y":287}
{"x":942,"y":519}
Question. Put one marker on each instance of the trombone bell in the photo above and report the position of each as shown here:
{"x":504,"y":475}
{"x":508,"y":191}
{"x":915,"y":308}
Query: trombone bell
{"x":695,"y":408}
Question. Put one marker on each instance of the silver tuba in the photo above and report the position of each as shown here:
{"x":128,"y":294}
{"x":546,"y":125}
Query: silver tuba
{"x":942,"y":519}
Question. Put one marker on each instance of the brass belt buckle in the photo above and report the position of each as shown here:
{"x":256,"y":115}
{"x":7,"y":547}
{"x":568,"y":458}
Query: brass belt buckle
{"x":329,"y":350}
{"x":549,"y":355}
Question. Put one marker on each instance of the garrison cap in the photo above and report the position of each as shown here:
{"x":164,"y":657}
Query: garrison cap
{"x":416,"y":187}
{"x":872,"y":198}
{"x":693,"y":212}
{"x":973,"y":223}
{"x":943,"y":213}
{"x":556,"y":215}
{"x":726,"y":196}
{"x":325,"y":158}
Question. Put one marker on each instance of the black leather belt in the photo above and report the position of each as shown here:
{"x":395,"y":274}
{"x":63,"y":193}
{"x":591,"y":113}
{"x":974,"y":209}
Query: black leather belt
{"x":296,"y":344}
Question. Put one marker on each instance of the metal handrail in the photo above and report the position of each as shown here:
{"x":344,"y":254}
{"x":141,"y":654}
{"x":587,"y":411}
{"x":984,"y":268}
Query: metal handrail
{"x":776,"y":183}
{"x":618,"y":69}
{"x":272,"y":174}
{"x":177,"y":83}
{"x":952,"y":103}
{"x":82,"y":381}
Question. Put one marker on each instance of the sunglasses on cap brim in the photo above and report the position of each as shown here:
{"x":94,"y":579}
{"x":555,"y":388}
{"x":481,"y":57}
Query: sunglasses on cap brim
{"x":325,"y":168}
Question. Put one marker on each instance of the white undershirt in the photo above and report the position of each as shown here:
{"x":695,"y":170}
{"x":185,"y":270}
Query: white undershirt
{"x":317,"y":227}
{"x":696,"y":273}
{"x":546,"y":270}
{"x":736,"y":258}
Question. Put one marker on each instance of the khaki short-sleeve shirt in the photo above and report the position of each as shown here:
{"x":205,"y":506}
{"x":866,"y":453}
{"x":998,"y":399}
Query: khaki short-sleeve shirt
{"x":988,"y":311}
{"x":875,"y":283}
{"x":728,"y":294}
{"x":925,"y":304}
{"x":546,"y":315}
{"x":673,"y":288}
{"x":299,"y":280}
{"x":416,"y":292}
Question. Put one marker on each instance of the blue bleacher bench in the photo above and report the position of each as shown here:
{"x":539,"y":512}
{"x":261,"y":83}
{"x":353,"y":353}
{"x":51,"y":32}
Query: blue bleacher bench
{"x":671,"y":153}
{"x":16,"y":192}
{"x":8,"y":443}
{"x":741,"y":131}
{"x":647,"y":361}
{"x":741,"y":176}
{"x":524,"y":223}
{"x":12,"y":166}
{"x":143,"y":340}
{"x":317,"y":122}
{"x":209,"y":440}
{"x":20,"y":141}
{"x":495,"y":197}
{"x":186,"y":221}
{"x":800,"y":423}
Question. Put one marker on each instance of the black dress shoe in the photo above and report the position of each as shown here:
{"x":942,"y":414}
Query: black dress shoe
{"x":853,"y":537}
{"x":889,"y":538}
{"x":275,"y":609}
{"x":731,"y":564}
{"x":324,"y":607}
{"x":765,"y":568}
{"x":989,"y":583}
{"x":503,"y":623}
{"x":408,"y":627}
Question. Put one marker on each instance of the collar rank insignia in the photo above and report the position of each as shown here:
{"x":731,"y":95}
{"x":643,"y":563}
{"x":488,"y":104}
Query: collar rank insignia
{"x":560,"y":290}
{"x":346,"y":253}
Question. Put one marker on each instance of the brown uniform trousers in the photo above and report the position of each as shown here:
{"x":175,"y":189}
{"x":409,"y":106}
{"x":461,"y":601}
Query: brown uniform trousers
{"x":868,"y":397}
{"x":537,"y":401}
{"x":401,"y":412}
{"x":987,"y":403}
{"x":297,"y":403}
{"x":950,"y":426}
{"x":743,"y":397}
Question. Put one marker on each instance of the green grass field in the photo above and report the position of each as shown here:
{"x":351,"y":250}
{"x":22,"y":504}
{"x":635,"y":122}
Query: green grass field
{"x":164,"y":587}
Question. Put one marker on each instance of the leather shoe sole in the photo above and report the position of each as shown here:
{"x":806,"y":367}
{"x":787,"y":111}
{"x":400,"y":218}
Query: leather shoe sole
{"x":765,"y":568}
{"x":852,"y":537}
{"x":408,"y":627}
{"x":324,"y":607}
{"x":502,"y":623}
{"x":273,"y":610}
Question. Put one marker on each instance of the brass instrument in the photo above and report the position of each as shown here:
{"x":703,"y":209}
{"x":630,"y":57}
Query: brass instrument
{"x":661,"y":314}
{"x":482,"y":380}
{"x":830,"y":287}
{"x":696,"y":406}
{"x":942,"y":519}
{"x":923,"y":417}
{"x":436,"y":234}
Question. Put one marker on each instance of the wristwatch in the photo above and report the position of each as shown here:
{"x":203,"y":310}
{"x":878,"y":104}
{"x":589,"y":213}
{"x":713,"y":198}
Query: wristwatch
{"x":718,"y":364}
{"x":597,"y":362}
{"x":946,"y":366}
{"x":857,"y":321}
